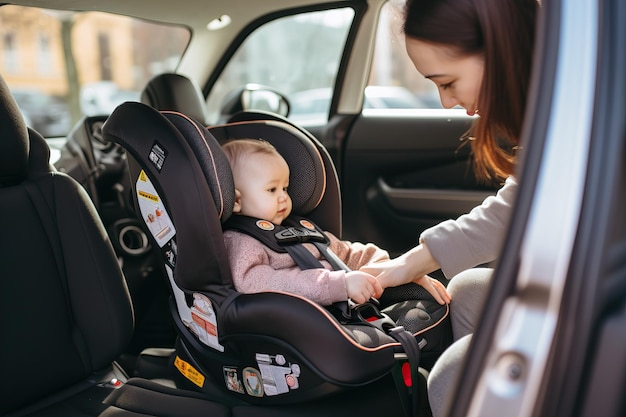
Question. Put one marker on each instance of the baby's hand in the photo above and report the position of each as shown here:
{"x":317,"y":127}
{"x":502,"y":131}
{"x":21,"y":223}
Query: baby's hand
{"x":362,"y":286}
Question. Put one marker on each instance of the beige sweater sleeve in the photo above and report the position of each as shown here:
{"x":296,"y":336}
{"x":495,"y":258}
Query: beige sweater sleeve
{"x":473,"y":238}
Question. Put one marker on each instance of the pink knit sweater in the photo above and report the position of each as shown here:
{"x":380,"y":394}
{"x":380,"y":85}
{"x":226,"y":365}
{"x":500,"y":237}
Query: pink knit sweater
{"x":257,"y":268}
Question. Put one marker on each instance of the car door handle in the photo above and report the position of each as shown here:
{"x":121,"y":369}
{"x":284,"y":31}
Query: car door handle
{"x":426,"y":201}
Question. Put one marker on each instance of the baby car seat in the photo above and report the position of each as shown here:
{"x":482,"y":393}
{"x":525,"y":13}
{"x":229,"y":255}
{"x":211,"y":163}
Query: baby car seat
{"x":265,"y":349}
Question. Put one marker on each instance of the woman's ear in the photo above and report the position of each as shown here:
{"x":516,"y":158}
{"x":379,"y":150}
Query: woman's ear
{"x":237,"y":207}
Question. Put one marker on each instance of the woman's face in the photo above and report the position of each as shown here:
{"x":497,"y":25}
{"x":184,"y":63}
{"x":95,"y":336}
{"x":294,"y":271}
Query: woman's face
{"x":457,"y":77}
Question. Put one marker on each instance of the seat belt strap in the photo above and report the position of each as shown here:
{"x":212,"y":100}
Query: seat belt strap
{"x":331,"y":257}
{"x":412,"y":350}
{"x":302,"y":257}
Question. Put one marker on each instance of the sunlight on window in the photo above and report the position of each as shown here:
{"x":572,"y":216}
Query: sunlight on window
{"x":394,"y":82}
{"x":306,"y":60}
{"x":118,"y":56}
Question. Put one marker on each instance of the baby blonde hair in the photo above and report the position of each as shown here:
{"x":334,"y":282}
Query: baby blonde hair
{"x":237,"y":150}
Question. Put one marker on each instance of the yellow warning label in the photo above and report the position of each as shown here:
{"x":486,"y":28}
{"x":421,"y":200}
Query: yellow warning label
{"x":148,"y":196}
{"x":189,"y":371}
{"x":142,"y":176}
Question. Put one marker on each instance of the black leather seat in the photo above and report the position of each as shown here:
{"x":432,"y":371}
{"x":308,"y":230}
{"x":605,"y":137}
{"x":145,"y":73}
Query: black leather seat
{"x":65,"y":311}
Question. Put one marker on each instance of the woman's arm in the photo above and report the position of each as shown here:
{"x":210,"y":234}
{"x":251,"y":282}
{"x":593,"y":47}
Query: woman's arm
{"x":474,"y":238}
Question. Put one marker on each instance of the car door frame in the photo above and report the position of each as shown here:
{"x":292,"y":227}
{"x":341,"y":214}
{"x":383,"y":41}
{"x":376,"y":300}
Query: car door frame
{"x":537,"y":349}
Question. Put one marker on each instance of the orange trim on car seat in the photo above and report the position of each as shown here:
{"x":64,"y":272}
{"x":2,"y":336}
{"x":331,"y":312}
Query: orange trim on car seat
{"x":332,"y":320}
{"x":436,"y":323}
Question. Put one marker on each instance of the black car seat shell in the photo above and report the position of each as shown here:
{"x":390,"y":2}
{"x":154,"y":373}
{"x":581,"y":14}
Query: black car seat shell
{"x":249,"y":320}
{"x":193,"y":181}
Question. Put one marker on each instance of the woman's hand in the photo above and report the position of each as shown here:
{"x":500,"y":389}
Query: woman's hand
{"x":390,"y":273}
{"x":406,"y":268}
{"x":435,"y":288}
{"x":413,"y":266}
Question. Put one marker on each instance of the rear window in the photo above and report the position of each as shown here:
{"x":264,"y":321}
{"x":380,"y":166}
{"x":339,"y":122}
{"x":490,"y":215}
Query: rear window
{"x":64,"y":65}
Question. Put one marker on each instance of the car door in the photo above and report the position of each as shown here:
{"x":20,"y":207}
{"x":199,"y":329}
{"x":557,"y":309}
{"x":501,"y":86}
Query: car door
{"x":551,"y":340}
{"x":403,"y":161}
{"x":402,"y":173}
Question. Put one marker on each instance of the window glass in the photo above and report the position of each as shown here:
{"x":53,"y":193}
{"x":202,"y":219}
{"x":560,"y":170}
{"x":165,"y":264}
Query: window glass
{"x":44,"y":56}
{"x":297,"y":56}
{"x":9,"y":52}
{"x":115,"y":56}
{"x":394,"y":82}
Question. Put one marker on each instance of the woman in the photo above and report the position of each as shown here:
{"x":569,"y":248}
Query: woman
{"x":479,"y":54}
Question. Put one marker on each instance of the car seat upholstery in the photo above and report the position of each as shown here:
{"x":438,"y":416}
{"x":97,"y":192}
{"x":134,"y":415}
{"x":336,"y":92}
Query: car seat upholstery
{"x":266,"y":349}
{"x":171,"y":91}
{"x":65,"y":311}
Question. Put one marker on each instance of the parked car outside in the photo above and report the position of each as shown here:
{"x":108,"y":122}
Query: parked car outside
{"x":48,"y":115}
{"x":310,"y":106}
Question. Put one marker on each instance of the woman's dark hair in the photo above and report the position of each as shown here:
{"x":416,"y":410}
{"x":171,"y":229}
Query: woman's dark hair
{"x":503,"y":32}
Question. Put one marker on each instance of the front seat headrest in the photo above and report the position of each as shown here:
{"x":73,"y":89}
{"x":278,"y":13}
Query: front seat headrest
{"x":175,"y":92}
{"x":14,"y":144}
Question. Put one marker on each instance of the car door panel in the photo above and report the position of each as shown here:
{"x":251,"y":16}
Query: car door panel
{"x":404,"y":171}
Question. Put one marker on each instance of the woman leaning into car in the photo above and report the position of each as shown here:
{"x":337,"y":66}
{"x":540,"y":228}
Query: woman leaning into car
{"x":479,"y":54}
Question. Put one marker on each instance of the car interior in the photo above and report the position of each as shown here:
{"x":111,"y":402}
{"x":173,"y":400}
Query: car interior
{"x":204,"y":288}
{"x":370,"y":354}
{"x":85,"y":292}
{"x":116,"y":296}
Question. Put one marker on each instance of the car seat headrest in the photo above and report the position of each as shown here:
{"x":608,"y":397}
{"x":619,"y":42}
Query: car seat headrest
{"x":39,"y":154}
{"x":170,"y":91}
{"x":212,"y":161}
{"x":14,"y":145}
{"x":139,"y":128}
{"x":249,"y":115}
{"x":191,"y":175}
{"x":307,"y":179}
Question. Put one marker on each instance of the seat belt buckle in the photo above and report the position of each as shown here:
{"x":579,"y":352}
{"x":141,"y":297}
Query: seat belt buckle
{"x":370,"y":314}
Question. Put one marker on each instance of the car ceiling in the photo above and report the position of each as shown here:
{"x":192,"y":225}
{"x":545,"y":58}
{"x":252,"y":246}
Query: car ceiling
{"x":193,"y":13}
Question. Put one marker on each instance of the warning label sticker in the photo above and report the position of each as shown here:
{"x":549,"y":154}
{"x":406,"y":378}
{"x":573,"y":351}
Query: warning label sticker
{"x":189,"y":371}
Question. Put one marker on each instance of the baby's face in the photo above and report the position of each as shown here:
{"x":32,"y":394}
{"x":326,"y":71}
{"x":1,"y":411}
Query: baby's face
{"x":262,"y":181}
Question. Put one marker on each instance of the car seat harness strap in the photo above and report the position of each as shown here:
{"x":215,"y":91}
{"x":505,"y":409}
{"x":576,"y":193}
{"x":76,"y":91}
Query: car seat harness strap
{"x":412,"y":350}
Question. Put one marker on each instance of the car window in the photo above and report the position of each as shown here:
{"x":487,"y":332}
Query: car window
{"x":394,"y":82}
{"x":52,"y":89}
{"x":297,"y":55}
